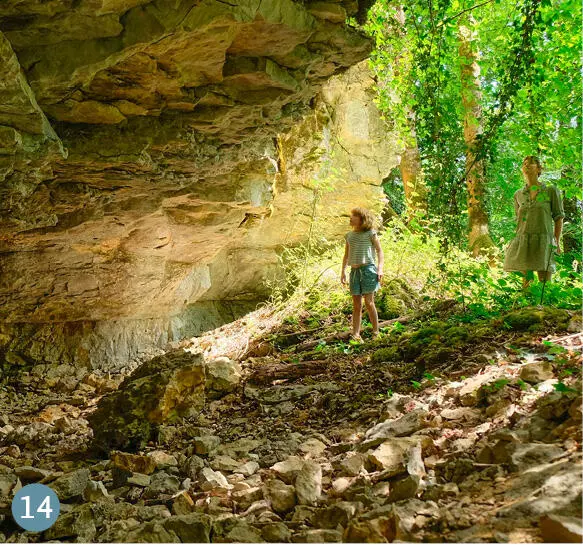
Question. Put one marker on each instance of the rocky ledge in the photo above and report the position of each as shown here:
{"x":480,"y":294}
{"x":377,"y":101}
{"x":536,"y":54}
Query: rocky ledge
{"x":155,"y":156}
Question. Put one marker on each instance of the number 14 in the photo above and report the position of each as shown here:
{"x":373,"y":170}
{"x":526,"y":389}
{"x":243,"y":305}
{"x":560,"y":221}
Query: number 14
{"x":44,"y":507}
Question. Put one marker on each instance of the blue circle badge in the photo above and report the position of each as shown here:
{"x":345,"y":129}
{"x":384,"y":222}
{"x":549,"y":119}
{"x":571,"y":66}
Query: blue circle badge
{"x":35,"y":507}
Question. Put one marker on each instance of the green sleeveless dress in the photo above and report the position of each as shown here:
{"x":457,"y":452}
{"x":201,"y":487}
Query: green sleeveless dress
{"x":532,"y":248}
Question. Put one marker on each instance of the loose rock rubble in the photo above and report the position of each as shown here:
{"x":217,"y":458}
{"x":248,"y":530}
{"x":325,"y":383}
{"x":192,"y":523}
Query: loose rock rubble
{"x":476,"y":459}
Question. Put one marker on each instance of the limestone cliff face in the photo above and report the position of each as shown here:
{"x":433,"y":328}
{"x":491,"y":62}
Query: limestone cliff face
{"x":155,"y":156}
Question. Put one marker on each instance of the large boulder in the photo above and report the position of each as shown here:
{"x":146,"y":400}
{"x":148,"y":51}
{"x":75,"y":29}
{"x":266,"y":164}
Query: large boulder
{"x":162,"y":390}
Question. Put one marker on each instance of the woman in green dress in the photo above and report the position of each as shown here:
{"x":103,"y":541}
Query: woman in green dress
{"x":539,"y":216}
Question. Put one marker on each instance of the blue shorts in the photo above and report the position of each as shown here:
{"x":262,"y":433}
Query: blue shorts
{"x":364,"y":280}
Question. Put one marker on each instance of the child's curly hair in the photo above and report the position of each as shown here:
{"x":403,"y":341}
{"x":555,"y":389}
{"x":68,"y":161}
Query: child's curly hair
{"x":366,"y":217}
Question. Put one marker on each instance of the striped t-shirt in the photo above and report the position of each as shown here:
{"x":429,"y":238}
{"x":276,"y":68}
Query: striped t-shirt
{"x":360,"y":247}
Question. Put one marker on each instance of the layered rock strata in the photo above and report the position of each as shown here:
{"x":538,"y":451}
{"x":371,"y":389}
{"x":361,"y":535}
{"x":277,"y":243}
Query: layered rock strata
{"x":156,"y":156}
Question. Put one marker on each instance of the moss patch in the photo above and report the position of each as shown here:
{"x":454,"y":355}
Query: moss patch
{"x":534,"y":319}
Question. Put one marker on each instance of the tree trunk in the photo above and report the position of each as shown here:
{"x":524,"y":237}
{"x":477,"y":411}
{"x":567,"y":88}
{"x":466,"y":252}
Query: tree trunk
{"x":410,"y":166}
{"x":412,"y":176}
{"x":479,"y":235}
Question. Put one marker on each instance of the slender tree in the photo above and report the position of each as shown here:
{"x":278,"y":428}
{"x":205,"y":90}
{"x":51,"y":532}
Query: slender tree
{"x":479,"y":234}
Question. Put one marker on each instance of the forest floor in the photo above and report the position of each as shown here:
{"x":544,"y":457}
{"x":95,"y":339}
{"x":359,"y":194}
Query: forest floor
{"x":441,"y":430}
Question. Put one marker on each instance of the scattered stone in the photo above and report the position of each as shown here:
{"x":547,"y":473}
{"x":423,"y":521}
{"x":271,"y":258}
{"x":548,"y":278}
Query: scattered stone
{"x":134,"y":463}
{"x":192,"y":466}
{"x":396,"y":406}
{"x":377,"y":530}
{"x":561,"y":529}
{"x":8,"y":482}
{"x":33,"y":474}
{"x":575,"y":410}
{"x":79,"y":524}
{"x":162,"y":483}
{"x":537,"y":372}
{"x":340,"y":485}
{"x":192,"y":528}
{"x":531,"y":454}
{"x":398,"y":455}
{"x":318,"y":536}
{"x":258,"y":507}
{"x":245,"y":498}
{"x":308,"y":483}
{"x":441,"y":491}
{"x":183,"y":504}
{"x":288,"y":469}
{"x":466,"y":415}
{"x":337,"y":514}
{"x":117,"y":530}
{"x":468,"y":393}
{"x":312,"y":447}
{"x":152,"y":532}
{"x":241,"y":448}
{"x":303,"y":514}
{"x":400,"y":427}
{"x":403,"y":488}
{"x":139,"y":479}
{"x":206,"y":444}
{"x":224,"y":463}
{"x":521,"y":456}
{"x":353,"y":465}
{"x":95,"y":491}
{"x":276,"y":532}
{"x":162,"y":460}
{"x":222,"y":376}
{"x":555,"y":405}
{"x":71,"y":484}
{"x":557,"y":488}
{"x":210,"y":479}
{"x":281,"y":496}
{"x":248,"y":468}
{"x":244,"y":533}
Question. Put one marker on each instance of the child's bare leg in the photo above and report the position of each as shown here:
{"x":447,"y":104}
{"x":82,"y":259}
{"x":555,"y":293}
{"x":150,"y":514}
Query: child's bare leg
{"x":356,"y":314}
{"x":372,"y":312}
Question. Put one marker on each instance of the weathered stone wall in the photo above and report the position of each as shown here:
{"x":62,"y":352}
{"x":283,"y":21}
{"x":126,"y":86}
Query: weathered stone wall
{"x":154,"y":159}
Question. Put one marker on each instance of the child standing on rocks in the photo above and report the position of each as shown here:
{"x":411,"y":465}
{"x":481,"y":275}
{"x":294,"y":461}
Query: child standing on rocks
{"x":365,"y":276}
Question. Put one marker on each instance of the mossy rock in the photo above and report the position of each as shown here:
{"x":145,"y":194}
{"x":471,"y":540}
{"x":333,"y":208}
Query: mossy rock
{"x":390,"y":307}
{"x":387,"y":354}
{"x":161,"y":391}
{"x":395,"y":298}
{"x":483,"y":331}
{"x":435,"y":354}
{"x":457,"y":336}
{"x":535,"y":319}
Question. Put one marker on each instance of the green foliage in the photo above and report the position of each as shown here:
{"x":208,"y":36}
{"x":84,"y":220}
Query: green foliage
{"x":496,"y":385}
{"x":485,"y":290}
{"x":530,"y":99}
{"x":563,"y":388}
{"x":522,"y":385}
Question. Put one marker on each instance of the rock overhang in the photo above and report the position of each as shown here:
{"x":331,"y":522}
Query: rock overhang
{"x":140,"y":165}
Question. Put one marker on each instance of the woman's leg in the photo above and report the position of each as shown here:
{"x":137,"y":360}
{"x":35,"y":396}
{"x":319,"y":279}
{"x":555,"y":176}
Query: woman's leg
{"x":372,"y":312}
{"x":356,"y":314}
{"x":544,"y":276}
{"x":526,"y":279}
